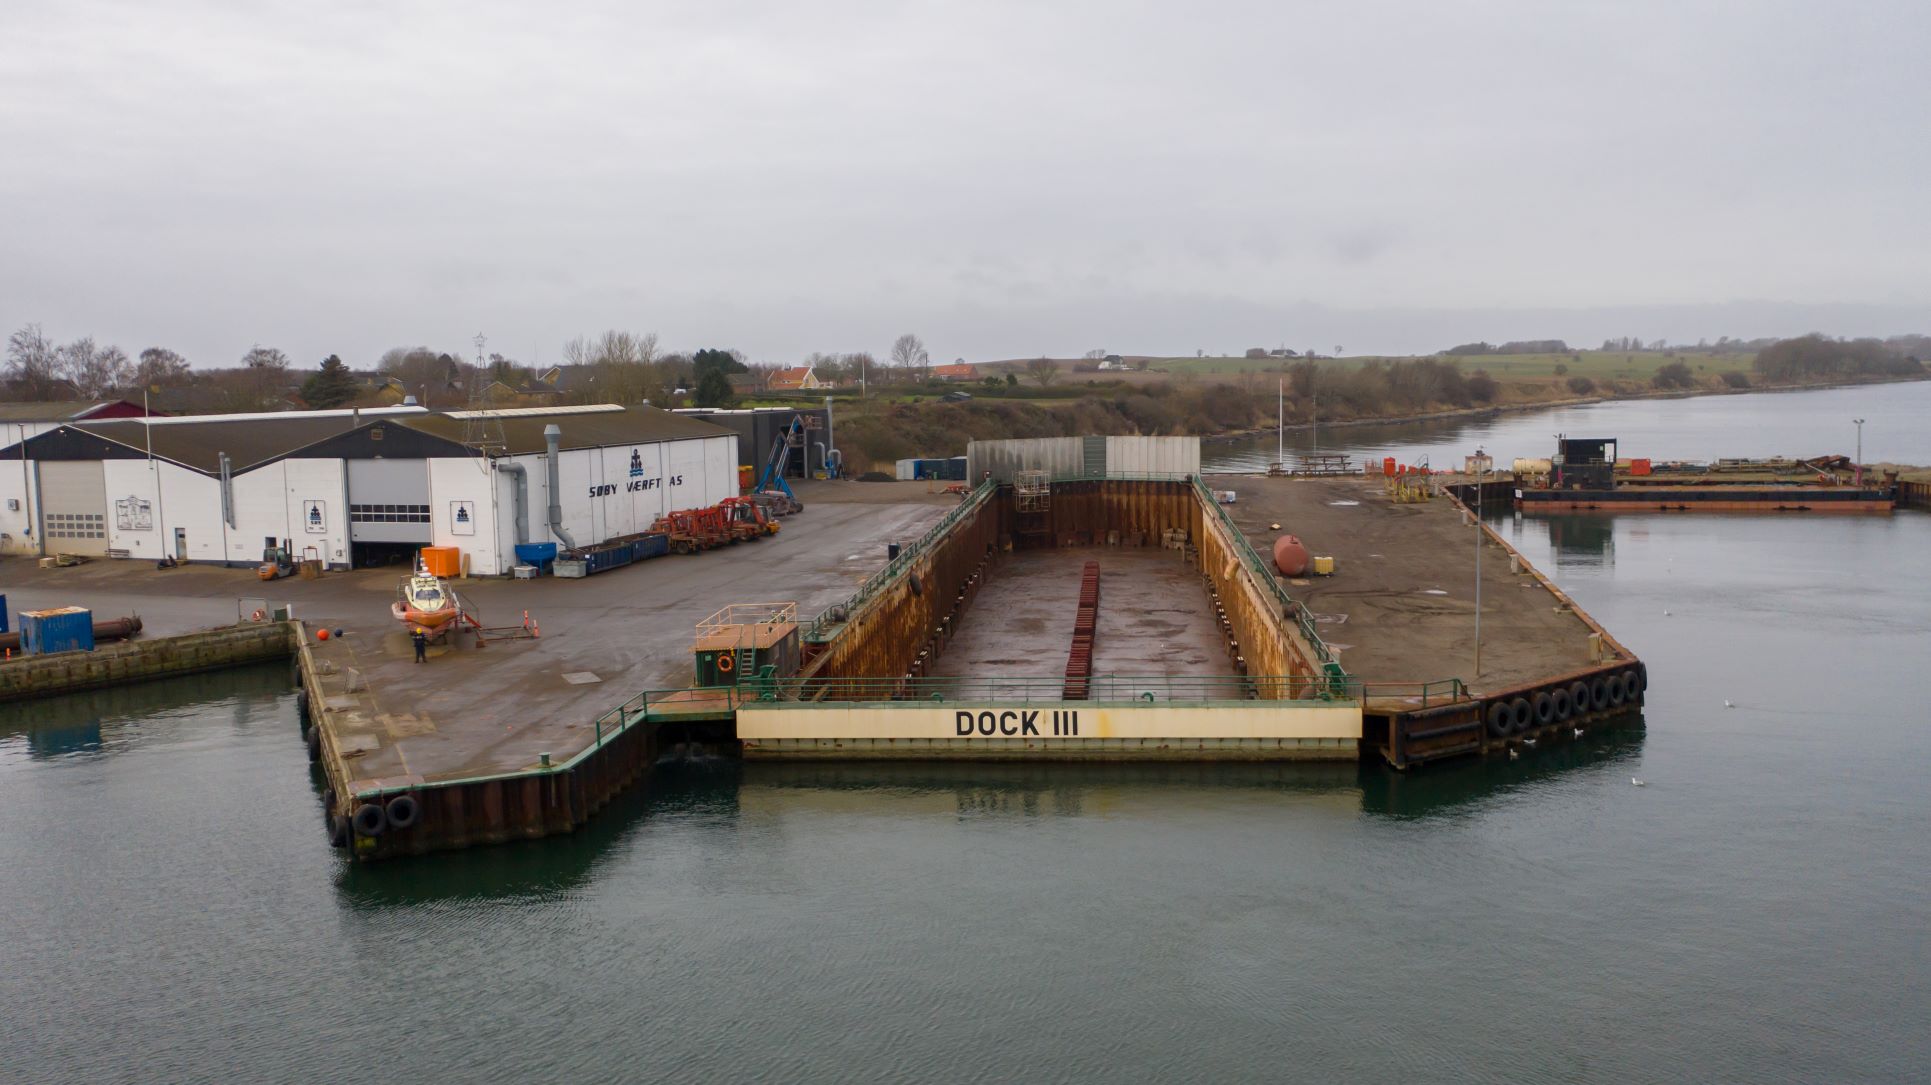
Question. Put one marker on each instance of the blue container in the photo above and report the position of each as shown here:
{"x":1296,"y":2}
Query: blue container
{"x":536,"y":553}
{"x":650,"y":546}
{"x":64,"y":629}
{"x":604,"y":558}
{"x":3,"y":613}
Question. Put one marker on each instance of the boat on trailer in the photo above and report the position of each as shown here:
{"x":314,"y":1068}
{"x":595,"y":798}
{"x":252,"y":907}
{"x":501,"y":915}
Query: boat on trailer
{"x":424,"y":602}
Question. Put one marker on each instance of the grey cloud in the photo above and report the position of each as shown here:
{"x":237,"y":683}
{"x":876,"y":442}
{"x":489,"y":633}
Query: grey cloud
{"x":1006,"y":179}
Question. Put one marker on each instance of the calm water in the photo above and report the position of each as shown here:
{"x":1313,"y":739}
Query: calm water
{"x":1897,"y":429}
{"x":169,"y":909}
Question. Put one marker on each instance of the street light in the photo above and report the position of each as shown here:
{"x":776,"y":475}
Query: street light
{"x":1858,"y":467}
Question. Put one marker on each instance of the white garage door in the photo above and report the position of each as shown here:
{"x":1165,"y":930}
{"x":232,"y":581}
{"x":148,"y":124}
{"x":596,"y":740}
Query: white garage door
{"x":389,"y":501}
{"x":73,"y":508}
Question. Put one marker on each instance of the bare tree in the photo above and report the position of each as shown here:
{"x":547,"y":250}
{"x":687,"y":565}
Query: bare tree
{"x":1043,"y":370}
{"x":33,"y":363}
{"x":94,"y":370}
{"x":160,"y":368}
{"x":1096,"y":355}
{"x":909,"y":356}
{"x":860,"y":364}
{"x":267,"y":376}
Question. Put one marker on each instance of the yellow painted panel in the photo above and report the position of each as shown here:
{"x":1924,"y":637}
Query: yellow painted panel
{"x":1271,"y":719}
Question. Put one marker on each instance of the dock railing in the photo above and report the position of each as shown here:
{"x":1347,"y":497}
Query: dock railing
{"x":1290,"y":606}
{"x":838,"y":613}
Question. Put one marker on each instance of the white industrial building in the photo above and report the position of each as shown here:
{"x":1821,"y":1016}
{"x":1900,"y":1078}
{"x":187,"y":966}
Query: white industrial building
{"x":356,"y":487}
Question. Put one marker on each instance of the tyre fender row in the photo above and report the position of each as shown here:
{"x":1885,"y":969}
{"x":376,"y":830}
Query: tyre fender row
{"x":1551,"y":705}
{"x":369,"y":819}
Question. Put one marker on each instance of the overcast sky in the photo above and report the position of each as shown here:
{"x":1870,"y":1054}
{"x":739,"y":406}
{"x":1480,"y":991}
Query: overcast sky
{"x":1004,"y":179}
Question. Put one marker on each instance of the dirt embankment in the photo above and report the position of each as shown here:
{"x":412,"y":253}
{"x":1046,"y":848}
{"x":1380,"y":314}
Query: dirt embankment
{"x":873,"y":435}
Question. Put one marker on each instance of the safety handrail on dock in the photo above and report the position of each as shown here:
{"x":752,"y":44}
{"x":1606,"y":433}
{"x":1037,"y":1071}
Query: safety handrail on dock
{"x":739,"y":614}
{"x":839,"y":613}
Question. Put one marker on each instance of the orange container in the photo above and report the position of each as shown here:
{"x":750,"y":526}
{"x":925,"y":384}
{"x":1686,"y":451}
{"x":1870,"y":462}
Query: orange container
{"x":442,"y":560}
{"x":747,"y":478}
{"x":1639,"y":467}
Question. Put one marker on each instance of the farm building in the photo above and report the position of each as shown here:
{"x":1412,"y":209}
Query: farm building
{"x":357,"y":487}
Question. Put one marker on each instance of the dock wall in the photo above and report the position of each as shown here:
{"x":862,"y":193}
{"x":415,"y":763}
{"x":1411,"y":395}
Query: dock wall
{"x":1914,"y":495}
{"x":454,"y":813}
{"x":902,"y":619}
{"x":26,"y":677}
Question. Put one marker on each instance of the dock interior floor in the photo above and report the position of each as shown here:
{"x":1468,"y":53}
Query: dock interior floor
{"x":1400,"y":606}
{"x":1155,"y":617}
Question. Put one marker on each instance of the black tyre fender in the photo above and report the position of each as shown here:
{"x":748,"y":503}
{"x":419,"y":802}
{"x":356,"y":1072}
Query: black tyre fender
{"x":402,"y":811}
{"x":1632,"y":686}
{"x":1615,"y":684}
{"x":1501,"y":719}
{"x":328,"y":801}
{"x":369,"y":820}
{"x":314,"y":740}
{"x":1545,"y":708}
{"x":303,"y":713}
{"x":1579,"y":700}
{"x":1599,"y":693}
{"x":338,"y":831}
{"x":1559,"y":698}
{"x":1523,"y":712}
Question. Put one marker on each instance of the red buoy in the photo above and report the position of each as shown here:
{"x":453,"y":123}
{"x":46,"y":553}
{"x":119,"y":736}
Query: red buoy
{"x":321,"y":634}
{"x":1290,"y":557}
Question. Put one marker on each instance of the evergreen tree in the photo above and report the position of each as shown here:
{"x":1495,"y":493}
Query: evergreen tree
{"x":714,"y":388}
{"x":332,"y":386}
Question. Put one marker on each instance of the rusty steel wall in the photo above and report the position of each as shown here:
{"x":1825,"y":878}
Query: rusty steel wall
{"x":886,"y":637}
{"x":1270,"y":643}
{"x":883,"y":637}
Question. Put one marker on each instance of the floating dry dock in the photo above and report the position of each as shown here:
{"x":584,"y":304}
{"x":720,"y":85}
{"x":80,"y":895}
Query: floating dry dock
{"x":1039,"y":619}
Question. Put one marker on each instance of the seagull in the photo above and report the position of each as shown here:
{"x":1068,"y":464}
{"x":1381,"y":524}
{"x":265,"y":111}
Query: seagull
{"x":1578,"y":732}
{"x":1635,"y":781}
{"x":1529,"y":742}
{"x":1728,"y":704}
{"x":1515,"y":755}
{"x":1666,"y":612}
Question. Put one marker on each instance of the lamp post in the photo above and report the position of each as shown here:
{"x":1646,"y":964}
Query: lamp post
{"x":1479,"y":479}
{"x":1858,"y":467}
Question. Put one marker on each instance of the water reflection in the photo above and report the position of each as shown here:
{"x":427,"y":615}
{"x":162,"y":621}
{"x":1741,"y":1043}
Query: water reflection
{"x":1586,"y":537}
{"x":115,"y":720}
{"x":1457,"y":786}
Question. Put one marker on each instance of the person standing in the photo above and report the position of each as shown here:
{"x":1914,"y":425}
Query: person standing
{"x":421,"y":641}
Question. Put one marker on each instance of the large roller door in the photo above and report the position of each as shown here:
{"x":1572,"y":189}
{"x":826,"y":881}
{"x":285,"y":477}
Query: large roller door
{"x":73,"y":507}
{"x":389,"y":501}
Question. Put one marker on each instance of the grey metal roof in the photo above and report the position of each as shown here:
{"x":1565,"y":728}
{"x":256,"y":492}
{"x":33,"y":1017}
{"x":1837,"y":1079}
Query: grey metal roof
{"x":248,"y":443}
{"x":523,"y":433}
{"x":57,"y":411}
{"x":251,"y":443}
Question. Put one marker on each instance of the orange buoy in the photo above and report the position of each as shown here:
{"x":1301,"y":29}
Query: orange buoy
{"x":321,"y":634}
{"x":1290,"y":557}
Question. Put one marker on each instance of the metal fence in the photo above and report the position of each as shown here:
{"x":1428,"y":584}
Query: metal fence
{"x":838,"y":613}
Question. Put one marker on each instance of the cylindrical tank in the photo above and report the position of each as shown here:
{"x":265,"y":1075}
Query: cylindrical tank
{"x":110,"y":629}
{"x":1532,"y":467}
{"x":1388,"y":466}
{"x":1290,"y":556}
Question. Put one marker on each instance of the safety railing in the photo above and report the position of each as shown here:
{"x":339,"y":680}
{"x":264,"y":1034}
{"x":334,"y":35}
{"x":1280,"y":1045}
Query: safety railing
{"x":1289,"y":605}
{"x":839,"y":613}
{"x":1117,"y":689}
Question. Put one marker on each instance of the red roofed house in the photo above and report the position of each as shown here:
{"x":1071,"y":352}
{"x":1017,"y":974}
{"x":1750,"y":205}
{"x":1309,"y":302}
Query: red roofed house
{"x":957,"y":371}
{"x":796,"y":378}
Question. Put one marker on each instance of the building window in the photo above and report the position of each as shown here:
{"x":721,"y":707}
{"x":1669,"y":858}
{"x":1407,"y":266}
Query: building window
{"x":389,"y":514}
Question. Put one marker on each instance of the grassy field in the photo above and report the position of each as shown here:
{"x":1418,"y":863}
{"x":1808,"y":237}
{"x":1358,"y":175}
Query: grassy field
{"x":1594,"y":364}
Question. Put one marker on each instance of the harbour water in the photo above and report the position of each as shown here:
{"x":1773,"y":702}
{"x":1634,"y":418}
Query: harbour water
{"x":1755,"y":912}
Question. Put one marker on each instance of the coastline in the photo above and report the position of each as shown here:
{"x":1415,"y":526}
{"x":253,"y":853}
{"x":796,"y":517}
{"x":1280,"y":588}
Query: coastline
{"x":1496,"y":409}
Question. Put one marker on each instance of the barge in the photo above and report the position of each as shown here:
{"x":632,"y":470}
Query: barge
{"x":1585,"y":476}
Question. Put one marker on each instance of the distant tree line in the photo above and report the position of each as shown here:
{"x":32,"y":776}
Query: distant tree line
{"x":1517,"y":346}
{"x":1814,"y":356}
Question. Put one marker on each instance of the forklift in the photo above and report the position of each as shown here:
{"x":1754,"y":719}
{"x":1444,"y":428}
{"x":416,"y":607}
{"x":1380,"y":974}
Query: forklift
{"x":276,"y":561}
